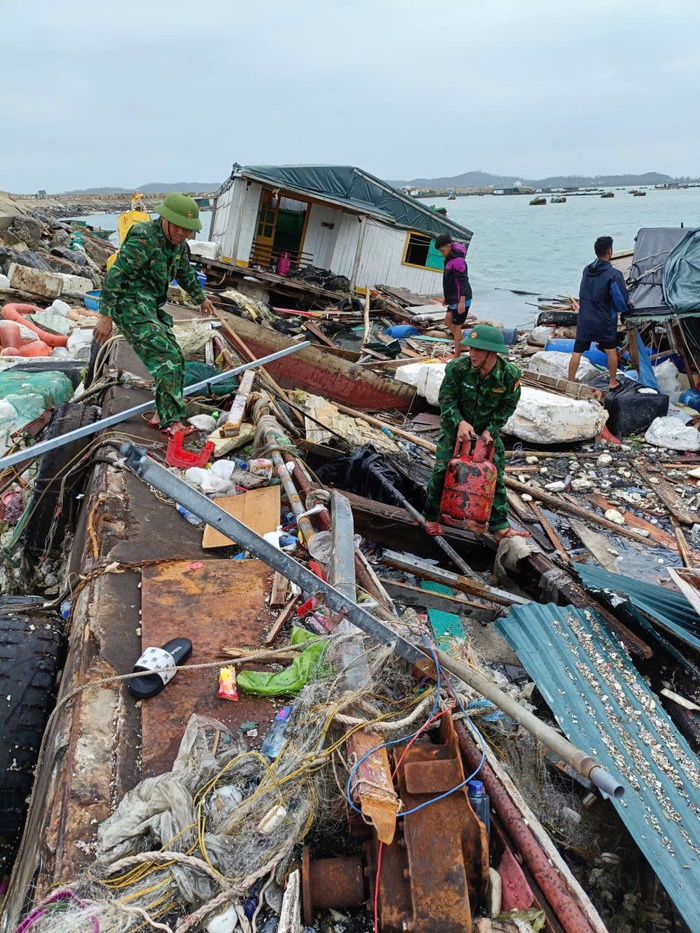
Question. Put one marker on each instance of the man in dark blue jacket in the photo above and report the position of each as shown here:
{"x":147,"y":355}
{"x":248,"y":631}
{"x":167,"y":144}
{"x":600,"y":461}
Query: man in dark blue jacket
{"x":455,"y":286}
{"x":603,"y":295}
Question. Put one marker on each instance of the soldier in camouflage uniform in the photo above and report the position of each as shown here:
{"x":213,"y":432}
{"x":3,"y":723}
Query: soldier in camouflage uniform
{"x":478,"y":395}
{"x":135,"y":290}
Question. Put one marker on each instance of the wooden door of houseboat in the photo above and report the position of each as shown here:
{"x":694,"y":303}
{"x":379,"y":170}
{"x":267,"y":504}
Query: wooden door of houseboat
{"x":265,"y":233}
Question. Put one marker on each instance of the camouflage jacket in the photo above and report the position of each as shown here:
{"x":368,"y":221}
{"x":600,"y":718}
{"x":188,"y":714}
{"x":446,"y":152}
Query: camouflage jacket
{"x":145,"y":265}
{"x":485,"y":403}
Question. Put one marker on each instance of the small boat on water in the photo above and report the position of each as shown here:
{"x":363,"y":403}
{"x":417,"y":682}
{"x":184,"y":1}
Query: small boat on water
{"x":536,"y":202}
{"x":320,"y":370}
{"x":557,"y":200}
{"x":452,"y":197}
{"x":639,"y":194}
{"x":608,"y":194}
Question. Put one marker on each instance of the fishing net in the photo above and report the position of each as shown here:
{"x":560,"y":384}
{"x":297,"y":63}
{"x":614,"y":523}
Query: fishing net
{"x":184,"y":846}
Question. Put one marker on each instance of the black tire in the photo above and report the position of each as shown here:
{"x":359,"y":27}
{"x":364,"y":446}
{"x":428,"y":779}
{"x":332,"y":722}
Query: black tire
{"x":31,"y":653}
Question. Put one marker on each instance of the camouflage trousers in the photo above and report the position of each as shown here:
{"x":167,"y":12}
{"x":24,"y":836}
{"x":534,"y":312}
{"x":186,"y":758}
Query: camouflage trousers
{"x":149,"y":331}
{"x":444,"y":453}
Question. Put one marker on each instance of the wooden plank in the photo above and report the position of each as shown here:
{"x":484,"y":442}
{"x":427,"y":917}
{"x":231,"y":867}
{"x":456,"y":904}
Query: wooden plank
{"x":447,"y":628}
{"x":551,"y":533}
{"x":424,"y":599}
{"x":560,"y":386}
{"x":634,"y":521}
{"x":597,"y":544}
{"x":683,"y":548}
{"x":280,"y":584}
{"x":675,"y":505}
{"x":318,"y":334}
{"x":232,"y":427}
{"x":552,"y":501}
{"x":192,"y":599}
{"x":455,"y":580}
{"x":258,"y":509}
{"x":280,"y":621}
{"x":520,"y":507}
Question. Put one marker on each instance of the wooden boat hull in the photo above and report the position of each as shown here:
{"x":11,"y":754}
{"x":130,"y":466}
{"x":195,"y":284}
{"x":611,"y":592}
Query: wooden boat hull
{"x":315,"y":370}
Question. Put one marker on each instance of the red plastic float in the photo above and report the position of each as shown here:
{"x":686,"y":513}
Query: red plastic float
{"x":18,"y":312}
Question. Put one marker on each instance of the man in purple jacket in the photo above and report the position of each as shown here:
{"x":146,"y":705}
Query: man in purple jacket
{"x":455,"y":286}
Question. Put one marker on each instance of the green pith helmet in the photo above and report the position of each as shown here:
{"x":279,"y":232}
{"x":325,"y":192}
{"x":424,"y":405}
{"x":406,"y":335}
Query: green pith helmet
{"x":180,"y":209}
{"x":486,"y":337}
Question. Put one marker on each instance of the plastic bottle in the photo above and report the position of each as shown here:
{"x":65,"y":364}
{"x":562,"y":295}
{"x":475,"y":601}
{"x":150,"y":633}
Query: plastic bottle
{"x":480,"y":802}
{"x":191,"y":518}
{"x":691,"y":398}
{"x":274,"y":740}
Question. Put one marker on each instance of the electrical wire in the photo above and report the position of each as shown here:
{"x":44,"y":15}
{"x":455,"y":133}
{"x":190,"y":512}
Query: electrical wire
{"x":434,"y":716}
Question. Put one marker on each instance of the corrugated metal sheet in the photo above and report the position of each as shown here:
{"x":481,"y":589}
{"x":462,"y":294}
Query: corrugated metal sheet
{"x":604,"y":706}
{"x":667,"y":608}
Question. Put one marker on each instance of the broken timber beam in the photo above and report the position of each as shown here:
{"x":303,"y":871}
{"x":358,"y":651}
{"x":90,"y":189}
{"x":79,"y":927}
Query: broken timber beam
{"x":674,"y":503}
{"x":555,"y":503}
{"x":232,"y":427}
{"x":560,"y":386}
{"x":454,"y":580}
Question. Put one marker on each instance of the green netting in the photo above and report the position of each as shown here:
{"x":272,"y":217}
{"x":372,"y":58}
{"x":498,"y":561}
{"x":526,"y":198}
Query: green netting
{"x":24,"y":391}
{"x":26,"y":396}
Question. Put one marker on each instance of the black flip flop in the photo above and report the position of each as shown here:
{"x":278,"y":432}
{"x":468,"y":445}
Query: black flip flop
{"x":154,"y":663}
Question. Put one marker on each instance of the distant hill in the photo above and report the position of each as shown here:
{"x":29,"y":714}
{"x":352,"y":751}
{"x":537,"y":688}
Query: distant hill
{"x":154,"y":187}
{"x":485,"y":179}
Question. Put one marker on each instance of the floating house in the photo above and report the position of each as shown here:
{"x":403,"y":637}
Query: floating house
{"x":335,"y":217}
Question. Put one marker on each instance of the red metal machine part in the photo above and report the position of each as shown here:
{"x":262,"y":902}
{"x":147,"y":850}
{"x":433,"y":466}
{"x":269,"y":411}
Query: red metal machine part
{"x":470,"y":485}
{"x":436,"y":870}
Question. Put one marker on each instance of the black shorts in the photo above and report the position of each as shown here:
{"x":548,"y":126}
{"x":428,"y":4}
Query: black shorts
{"x":580,"y":346}
{"x":459,"y":318}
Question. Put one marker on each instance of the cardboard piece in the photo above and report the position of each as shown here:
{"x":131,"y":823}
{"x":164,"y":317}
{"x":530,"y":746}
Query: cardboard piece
{"x":258,"y":509}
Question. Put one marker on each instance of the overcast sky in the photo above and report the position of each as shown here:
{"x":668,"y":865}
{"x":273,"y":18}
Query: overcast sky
{"x":124,"y":92}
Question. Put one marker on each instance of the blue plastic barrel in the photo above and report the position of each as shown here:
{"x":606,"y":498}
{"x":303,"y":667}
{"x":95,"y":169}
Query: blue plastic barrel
{"x":691,"y":398}
{"x":202,"y":279}
{"x":592,"y":354}
{"x":401,"y":331}
{"x":561,"y":345}
{"x":510,"y":335}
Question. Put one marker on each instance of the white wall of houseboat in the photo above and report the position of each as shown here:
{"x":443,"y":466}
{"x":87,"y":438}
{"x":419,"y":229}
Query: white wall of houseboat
{"x":236,"y":220}
{"x":330,"y":241}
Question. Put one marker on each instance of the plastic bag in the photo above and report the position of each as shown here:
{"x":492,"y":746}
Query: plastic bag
{"x":159,"y":808}
{"x":203,"y":423}
{"x":292,"y":678}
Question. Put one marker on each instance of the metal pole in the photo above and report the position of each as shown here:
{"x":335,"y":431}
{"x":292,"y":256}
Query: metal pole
{"x":197,"y":503}
{"x":29,"y":453}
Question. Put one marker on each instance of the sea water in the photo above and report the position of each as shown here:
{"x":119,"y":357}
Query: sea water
{"x":541,"y":250}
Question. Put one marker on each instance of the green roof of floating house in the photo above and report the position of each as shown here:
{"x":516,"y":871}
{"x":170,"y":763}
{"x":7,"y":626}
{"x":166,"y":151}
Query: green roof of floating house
{"x":353,"y":189}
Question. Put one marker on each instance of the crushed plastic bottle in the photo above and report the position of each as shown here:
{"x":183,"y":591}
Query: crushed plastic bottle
{"x":191,"y":518}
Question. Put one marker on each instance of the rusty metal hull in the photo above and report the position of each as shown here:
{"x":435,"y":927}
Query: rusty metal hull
{"x":319,"y":372}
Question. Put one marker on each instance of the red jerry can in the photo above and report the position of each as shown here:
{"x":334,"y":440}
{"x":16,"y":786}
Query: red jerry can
{"x":470,"y":485}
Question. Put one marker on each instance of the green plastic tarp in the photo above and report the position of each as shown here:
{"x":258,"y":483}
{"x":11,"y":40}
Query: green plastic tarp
{"x":681,"y":275}
{"x":29,"y":395}
{"x":291,"y":680}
